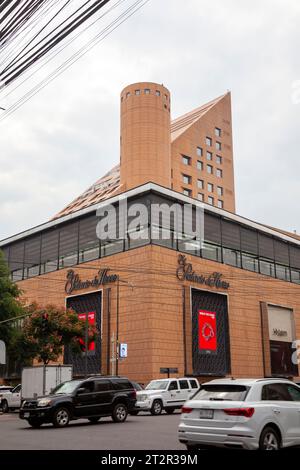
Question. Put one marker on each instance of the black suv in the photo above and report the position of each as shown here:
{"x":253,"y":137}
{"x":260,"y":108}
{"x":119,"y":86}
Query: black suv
{"x":90,"y":398}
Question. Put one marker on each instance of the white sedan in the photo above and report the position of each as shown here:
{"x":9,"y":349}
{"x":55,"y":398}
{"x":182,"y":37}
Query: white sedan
{"x":242,"y":413}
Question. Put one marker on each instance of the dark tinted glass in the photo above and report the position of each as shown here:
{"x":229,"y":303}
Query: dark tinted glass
{"x":231,"y":237}
{"x":16,"y":256}
{"x":294,"y":392}
{"x":222,"y":393}
{"x":266,"y":246}
{"x":276,"y":392}
{"x":212,"y":228}
{"x":102,"y":385}
{"x":281,"y":358}
{"x":173,"y":386}
{"x":88,"y":387}
{"x":295,"y":256}
{"x":184,"y":385}
{"x":193,"y":384}
{"x":249,"y":241}
{"x":122,"y":384}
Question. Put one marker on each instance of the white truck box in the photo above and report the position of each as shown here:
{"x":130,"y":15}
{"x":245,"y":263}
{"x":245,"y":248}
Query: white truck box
{"x":40,"y":380}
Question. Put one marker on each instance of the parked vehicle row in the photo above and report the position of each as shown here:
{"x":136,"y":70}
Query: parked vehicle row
{"x":230,"y":413}
{"x":244,"y":413}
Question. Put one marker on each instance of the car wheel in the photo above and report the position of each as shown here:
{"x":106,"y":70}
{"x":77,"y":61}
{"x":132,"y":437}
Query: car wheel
{"x":269,"y":439}
{"x":5,"y":408}
{"x":94,"y":419}
{"x":156,"y":408}
{"x":34,"y":423}
{"x":134,"y":413}
{"x":170,"y":411}
{"x":61,"y":417}
{"x":119,"y":413}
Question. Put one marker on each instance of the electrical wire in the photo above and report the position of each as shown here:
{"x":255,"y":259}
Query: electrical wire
{"x":98,"y":38}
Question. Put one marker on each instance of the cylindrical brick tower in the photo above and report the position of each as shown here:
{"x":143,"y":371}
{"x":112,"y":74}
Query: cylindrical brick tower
{"x":145,"y":135}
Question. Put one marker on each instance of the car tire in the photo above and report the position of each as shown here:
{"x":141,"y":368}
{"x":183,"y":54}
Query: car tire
{"x":5,"y":407}
{"x":61,"y":417}
{"x":94,"y":419}
{"x":156,"y":408}
{"x":35,"y":423}
{"x":169,"y":411}
{"x":134,"y":413}
{"x":269,"y":439}
{"x":119,"y":413}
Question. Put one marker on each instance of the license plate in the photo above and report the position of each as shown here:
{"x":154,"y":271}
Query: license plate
{"x":26,"y":415}
{"x":206,"y":414}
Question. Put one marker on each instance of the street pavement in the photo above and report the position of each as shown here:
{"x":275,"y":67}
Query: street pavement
{"x":145,"y":432}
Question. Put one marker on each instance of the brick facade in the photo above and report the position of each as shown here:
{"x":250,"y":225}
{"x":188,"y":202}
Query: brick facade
{"x":151,"y":310}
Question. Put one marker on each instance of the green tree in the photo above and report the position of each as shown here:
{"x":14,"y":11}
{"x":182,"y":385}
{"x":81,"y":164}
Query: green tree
{"x":46,"y":331}
{"x":10,"y":304}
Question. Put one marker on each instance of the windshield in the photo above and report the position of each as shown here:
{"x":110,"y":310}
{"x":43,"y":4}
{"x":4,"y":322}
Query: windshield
{"x":66,"y":387}
{"x":157,"y":385}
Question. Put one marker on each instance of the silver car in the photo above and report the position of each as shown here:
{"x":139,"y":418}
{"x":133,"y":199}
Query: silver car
{"x":242,"y":413}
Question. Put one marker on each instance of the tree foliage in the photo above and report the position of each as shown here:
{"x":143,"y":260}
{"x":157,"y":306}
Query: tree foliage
{"x":46,"y":331}
{"x":10,"y":304}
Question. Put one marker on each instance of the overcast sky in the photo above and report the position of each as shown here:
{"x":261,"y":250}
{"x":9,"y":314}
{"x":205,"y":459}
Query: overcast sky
{"x":67,"y":136}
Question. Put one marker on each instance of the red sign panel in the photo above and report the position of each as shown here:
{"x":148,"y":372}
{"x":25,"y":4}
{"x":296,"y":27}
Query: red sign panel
{"x":207,"y":332}
{"x":91,"y":321}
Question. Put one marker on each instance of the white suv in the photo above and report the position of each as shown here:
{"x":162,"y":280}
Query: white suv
{"x":165,"y":394}
{"x":242,"y":413}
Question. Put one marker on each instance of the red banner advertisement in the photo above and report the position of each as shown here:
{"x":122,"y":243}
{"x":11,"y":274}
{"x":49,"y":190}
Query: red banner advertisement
{"x":91,"y":321}
{"x":207,"y":330}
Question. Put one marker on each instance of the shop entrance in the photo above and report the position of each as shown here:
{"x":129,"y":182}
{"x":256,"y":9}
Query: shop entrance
{"x":88,"y":305}
{"x":210,"y":334}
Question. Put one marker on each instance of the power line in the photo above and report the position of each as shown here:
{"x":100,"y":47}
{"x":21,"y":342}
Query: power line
{"x":98,"y":38}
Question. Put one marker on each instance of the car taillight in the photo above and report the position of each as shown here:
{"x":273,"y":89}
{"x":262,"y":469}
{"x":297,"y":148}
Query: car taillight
{"x":186,"y":409}
{"x":133,"y":393}
{"x":246,"y":412}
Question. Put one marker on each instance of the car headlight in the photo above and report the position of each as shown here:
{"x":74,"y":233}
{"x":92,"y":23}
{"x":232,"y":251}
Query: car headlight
{"x":44,"y":402}
{"x":143,"y":397}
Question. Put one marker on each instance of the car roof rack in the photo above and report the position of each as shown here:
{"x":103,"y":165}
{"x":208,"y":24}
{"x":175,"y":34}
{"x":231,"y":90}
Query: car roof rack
{"x":275,"y":377}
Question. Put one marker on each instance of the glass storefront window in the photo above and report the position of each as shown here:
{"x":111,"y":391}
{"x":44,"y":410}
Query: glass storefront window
{"x":212,"y":252}
{"x":190,"y":245}
{"x":281,"y":358}
{"x":90,"y":252}
{"x":32,"y":271}
{"x":250,"y":262}
{"x":295,"y":276}
{"x":49,"y":266}
{"x":163,"y":237}
{"x":17,"y":275}
{"x":68,"y":260}
{"x":232,"y":257}
{"x":283,"y":272}
{"x":267,"y":267}
{"x":142,"y":240}
{"x":111,"y":247}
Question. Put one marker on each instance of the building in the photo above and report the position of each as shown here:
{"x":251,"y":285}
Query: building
{"x":213,"y":295}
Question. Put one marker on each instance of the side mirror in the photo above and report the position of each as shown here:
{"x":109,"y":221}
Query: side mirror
{"x":81,"y":390}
